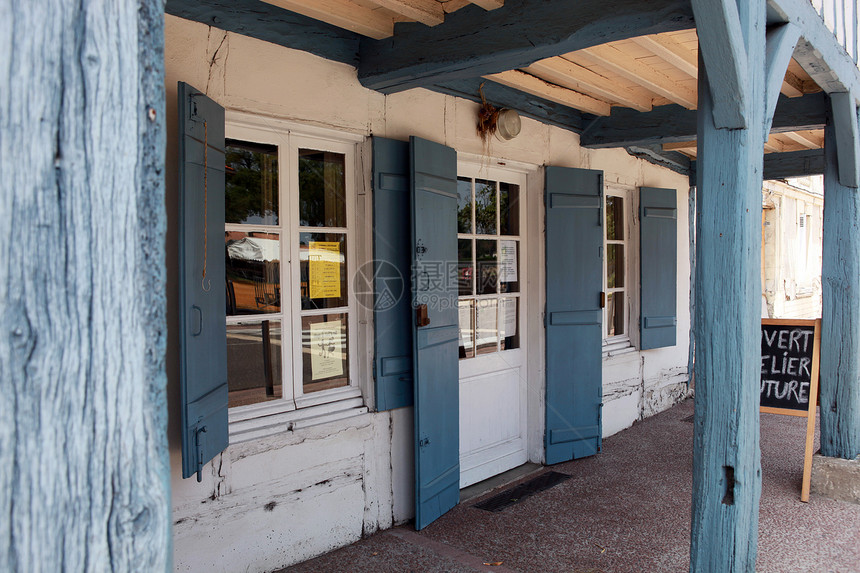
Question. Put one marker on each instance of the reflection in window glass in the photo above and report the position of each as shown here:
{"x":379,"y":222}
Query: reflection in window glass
{"x":614,"y":266}
{"x":322,"y":188}
{"x":251,"y":183}
{"x":615,"y":313}
{"x":253,"y":272}
{"x":325,"y":360}
{"x":509,"y":335}
{"x":465,"y":269}
{"x":253,"y":362}
{"x":487,"y":266}
{"x":322,"y":258}
{"x":485,"y":207}
{"x":464,"y":205}
{"x":509,"y":209}
{"x":466,"y":312}
{"x":614,"y":218}
{"x":486,"y":326}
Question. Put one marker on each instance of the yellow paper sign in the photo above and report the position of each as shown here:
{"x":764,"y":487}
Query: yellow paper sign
{"x":324,"y":260}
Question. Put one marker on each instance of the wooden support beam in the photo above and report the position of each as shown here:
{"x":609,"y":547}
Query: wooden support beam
{"x":429,"y":12}
{"x":726,"y":456}
{"x":632,"y":69}
{"x":785,"y":165}
{"x":538,"y":87}
{"x":625,"y":127}
{"x":85,"y":484}
{"x":342,"y":13}
{"x":567,"y":74}
{"x":781,"y":40}
{"x":840,"y":319}
{"x":844,"y":112}
{"x":502,"y":96}
{"x":669,"y":50}
{"x":271,"y":24}
{"x":513,"y":36}
{"x":721,"y":48}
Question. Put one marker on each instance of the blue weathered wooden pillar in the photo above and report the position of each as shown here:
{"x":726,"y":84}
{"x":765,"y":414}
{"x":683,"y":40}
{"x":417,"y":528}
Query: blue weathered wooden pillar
{"x":84,"y":479}
{"x":840,"y":284}
{"x":731,"y":134}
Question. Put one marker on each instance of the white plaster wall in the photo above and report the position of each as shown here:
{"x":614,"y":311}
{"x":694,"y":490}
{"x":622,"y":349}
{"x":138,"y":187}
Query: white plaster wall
{"x":271,"y":502}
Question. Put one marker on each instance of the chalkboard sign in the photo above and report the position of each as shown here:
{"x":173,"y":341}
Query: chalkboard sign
{"x":789,"y":376}
{"x":788,"y":357}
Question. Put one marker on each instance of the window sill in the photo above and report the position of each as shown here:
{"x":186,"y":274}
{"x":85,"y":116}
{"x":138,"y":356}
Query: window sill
{"x":255,"y":428}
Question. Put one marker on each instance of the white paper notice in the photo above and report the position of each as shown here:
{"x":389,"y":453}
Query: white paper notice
{"x":326,"y":349}
{"x":508,"y":317}
{"x":508,"y":262}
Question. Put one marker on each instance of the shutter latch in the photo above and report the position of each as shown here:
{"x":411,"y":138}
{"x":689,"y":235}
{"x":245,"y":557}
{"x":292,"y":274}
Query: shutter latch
{"x":201,"y":440}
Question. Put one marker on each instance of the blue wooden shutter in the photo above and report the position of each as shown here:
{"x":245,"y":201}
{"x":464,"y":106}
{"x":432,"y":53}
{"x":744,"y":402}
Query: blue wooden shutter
{"x":202,"y":301}
{"x":436,"y":369}
{"x":392,"y":261}
{"x":658,"y":232}
{"x":574,"y":273}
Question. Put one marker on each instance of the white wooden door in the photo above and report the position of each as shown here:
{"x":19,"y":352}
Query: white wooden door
{"x":491,"y":277}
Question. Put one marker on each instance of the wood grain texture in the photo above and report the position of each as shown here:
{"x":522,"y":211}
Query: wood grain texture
{"x":472,"y":42}
{"x":784,"y":165}
{"x":844,"y":110}
{"x":780,"y":43}
{"x":84,"y":484}
{"x":726,"y":457}
{"x":840,"y":283}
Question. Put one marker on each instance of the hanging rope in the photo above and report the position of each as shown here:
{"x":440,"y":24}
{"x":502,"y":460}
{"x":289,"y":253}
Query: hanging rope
{"x":203,"y":283}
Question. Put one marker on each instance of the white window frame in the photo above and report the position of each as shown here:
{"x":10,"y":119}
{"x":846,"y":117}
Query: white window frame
{"x":296,"y":409}
{"x":622,"y":342}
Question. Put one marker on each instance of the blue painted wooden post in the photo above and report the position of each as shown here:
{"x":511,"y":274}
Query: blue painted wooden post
{"x":726,"y":459}
{"x":840,"y":335}
{"x":85,"y":483}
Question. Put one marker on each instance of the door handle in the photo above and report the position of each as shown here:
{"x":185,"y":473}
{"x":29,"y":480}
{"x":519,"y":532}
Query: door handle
{"x":421,"y":318}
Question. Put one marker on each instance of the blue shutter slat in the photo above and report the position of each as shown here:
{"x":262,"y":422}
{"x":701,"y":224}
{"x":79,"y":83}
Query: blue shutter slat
{"x":392,"y":303}
{"x":574,"y":272}
{"x":434,"y":260}
{"x":203,"y":336}
{"x":658,"y":231}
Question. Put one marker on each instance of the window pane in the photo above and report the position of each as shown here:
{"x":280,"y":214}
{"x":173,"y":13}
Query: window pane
{"x":464,"y":205}
{"x":488,"y":270}
{"x":322,"y":189}
{"x":253,"y":270}
{"x":466,"y":310}
{"x":615,"y":313}
{"x":509,"y":265}
{"x":253,"y":362}
{"x":322,"y":258}
{"x":465,"y":271}
{"x":325,"y":361}
{"x":614,"y":218}
{"x":509,"y":209}
{"x":486,"y":332}
{"x":251,"y":183}
{"x":614,"y":266}
{"x":509,"y":334}
{"x":485,"y":207}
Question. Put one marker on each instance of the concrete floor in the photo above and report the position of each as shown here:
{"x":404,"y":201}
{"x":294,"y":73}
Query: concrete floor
{"x":624,"y":510}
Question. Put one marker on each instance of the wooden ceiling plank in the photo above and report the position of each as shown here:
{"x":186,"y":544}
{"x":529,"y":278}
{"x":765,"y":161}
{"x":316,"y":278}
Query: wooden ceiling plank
{"x":538,"y":87}
{"x":668,"y":49}
{"x":567,"y":74}
{"x":429,"y":12}
{"x":792,"y":86}
{"x":679,"y":145}
{"x":773,"y":144}
{"x":343,"y":14}
{"x":638,"y":72}
{"x":489,"y":4}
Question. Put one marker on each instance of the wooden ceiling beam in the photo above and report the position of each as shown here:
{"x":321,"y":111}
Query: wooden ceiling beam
{"x":343,"y":14}
{"x":792,"y":86}
{"x":670,"y":50}
{"x":773,"y":144}
{"x":632,"y":69}
{"x":680,"y":146}
{"x":429,"y":12}
{"x":538,"y":87}
{"x":511,"y":37}
{"x":489,"y":4}
{"x":567,"y":74}
{"x":803,"y":139}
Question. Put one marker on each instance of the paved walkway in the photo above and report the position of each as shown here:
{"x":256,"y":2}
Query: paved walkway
{"x":625,"y":510}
